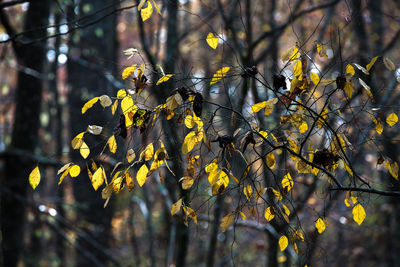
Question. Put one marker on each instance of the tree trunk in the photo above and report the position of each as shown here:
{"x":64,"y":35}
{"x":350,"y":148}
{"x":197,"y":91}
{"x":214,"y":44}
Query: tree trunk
{"x":25,"y":132}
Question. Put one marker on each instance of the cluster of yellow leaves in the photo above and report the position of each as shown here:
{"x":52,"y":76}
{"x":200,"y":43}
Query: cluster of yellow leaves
{"x":193,"y":138}
{"x":78,"y":143}
{"x":297,"y":119}
{"x":73,"y":171}
{"x":217,"y":178}
{"x":189,"y":212}
{"x":358,"y":210}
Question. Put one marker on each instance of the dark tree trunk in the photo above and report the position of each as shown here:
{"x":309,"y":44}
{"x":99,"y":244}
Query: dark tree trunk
{"x":91,"y":58}
{"x":25,"y":132}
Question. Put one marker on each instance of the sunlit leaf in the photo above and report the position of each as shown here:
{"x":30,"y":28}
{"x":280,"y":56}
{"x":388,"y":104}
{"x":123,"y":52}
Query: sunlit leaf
{"x":212,"y":40}
{"x":366,"y":88}
{"x":287,"y":182}
{"x":283,"y":242}
{"x":130,"y":183}
{"x":226,"y":222}
{"x":248,"y":191}
{"x":187,"y":183}
{"x":219,"y":75}
{"x":258,"y":106}
{"x":189,"y":121}
{"x":112,"y":144}
{"x":34,"y":177}
{"x":393,"y":168}
{"x":358,"y":214}
{"x":392,"y":119}
{"x":174,"y":101}
{"x":147,"y":153}
{"x":94,"y":129}
{"x":155,"y":5}
{"x":349,"y":88}
{"x":271,"y":163}
{"x":291,"y":54}
{"x":361,"y":68}
{"x":269,"y":214}
{"x":89,"y":104}
{"x":350,"y":70}
{"x":121,"y":93}
{"x":98,"y":178}
{"x":379,"y":127}
{"x":303,"y":127}
{"x":77,"y":141}
{"x":297,"y":69}
{"x":74,"y":170}
{"x":320,"y":225}
{"x":141,"y":175}
{"x":141,"y":4}
{"x":286,"y":209}
{"x":84,"y":150}
{"x":146,"y":12}
{"x":63,"y":168}
{"x":114,"y":107}
{"x":314,"y":78}
{"x":371,"y":63}
{"x":164,"y":78}
{"x":65,"y":173}
{"x":176,"y":207}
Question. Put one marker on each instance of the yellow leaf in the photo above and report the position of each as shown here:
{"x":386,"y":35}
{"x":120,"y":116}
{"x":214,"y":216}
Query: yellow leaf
{"x":147,"y":153}
{"x":77,"y":141}
{"x":189,"y":142}
{"x":392,"y":119}
{"x":291,"y":54}
{"x":34,"y":177}
{"x":286,"y":209}
{"x":271,"y":161}
{"x":287,"y":182}
{"x":347,"y":168}
{"x":121,"y":93}
{"x":127,"y":105}
{"x":74,"y":171}
{"x":129,"y":181}
{"x":226,"y":222}
{"x":269,"y":106}
{"x":141,"y":4}
{"x":219,"y":75}
{"x":84,"y":150}
{"x":370,"y":64}
{"x":320,"y":225}
{"x":114,"y":107}
{"x":112,"y":144}
{"x":389,"y":64}
{"x":176,"y":207}
{"x":303,"y":127}
{"x":379,"y":127}
{"x":248,"y":191}
{"x":89,"y":104}
{"x":65,"y":173}
{"x":348,"y":88}
{"x":107,"y":192}
{"x":269,"y":214}
{"x":393,"y":168}
{"x":243,"y":216}
{"x":258,"y":106}
{"x":187,"y":183}
{"x":212,"y":40}
{"x":321,"y":50}
{"x":283,"y":242}
{"x":297,"y":70}
{"x":350,"y":70}
{"x":189,"y":121}
{"x":130,"y":155}
{"x":141,"y":175}
{"x":164,"y":78}
{"x":358,"y":214}
{"x":314,"y":78}
{"x":191,"y":213}
{"x":128,"y":72}
{"x":174,"y":101}
{"x":98,"y":178}
{"x":146,"y":12}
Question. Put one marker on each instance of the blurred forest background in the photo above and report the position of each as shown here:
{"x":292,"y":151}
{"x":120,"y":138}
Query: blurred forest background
{"x":57,"y":54}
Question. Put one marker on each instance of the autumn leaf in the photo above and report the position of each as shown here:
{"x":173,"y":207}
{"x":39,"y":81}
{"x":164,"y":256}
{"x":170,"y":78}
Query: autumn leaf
{"x":112,"y":144}
{"x":248,"y":191}
{"x":269,"y":214}
{"x":350,"y":70}
{"x":269,"y":106}
{"x":291,"y":54}
{"x":219,"y":75}
{"x":392,"y":119}
{"x":176,"y":207}
{"x":258,"y":106}
{"x":129,"y":180}
{"x":145,"y":13}
{"x":271,"y":161}
{"x":393,"y":168}
{"x":370,"y":64}
{"x":314,"y":78}
{"x":89,"y":104}
{"x":287,"y":182}
{"x":147,"y":153}
{"x":98,"y":178}
{"x":358,"y":214}
{"x":94,"y":129}
{"x":34,"y":177}
{"x":389,"y":64}
{"x":141,"y":175}
{"x":283,"y":242}
{"x":121,"y":93}
{"x":105,"y":101}
{"x":212,"y":40}
{"x":77,"y":142}
{"x":164,"y":78}
{"x":130,"y":155}
{"x":74,"y":170}
{"x":297,"y":69}
{"x":226,"y":222}
{"x":320,"y":225}
{"x":84,"y":150}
